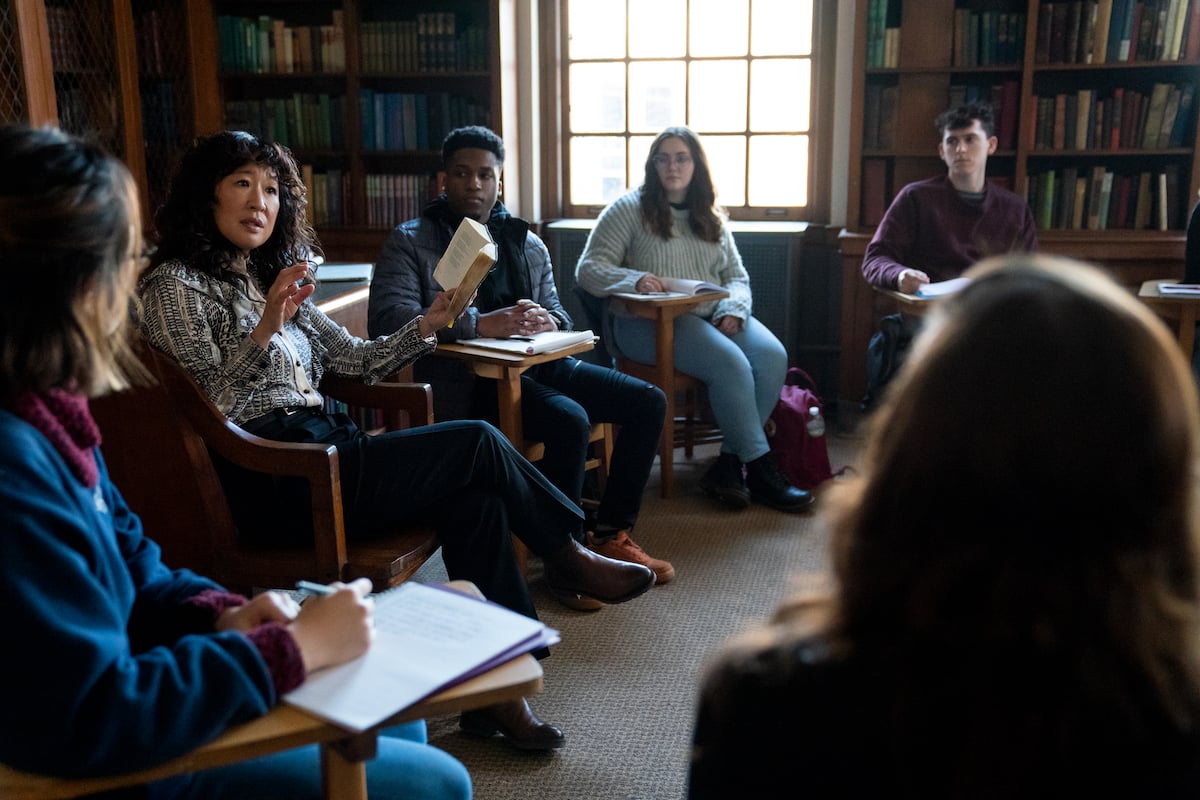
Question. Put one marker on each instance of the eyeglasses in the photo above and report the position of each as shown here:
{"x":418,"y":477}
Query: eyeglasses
{"x":682,"y":159}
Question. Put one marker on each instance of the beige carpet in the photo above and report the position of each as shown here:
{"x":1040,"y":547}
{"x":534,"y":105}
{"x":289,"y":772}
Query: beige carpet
{"x":622,"y":684}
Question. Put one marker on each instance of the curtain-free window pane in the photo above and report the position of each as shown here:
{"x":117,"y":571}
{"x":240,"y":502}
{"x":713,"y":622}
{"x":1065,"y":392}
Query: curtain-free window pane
{"x":639,"y":151}
{"x":718,"y":27}
{"x":727,"y":162}
{"x":778,"y":170}
{"x":596,"y":29}
{"x":657,"y":28}
{"x":597,"y":169}
{"x":657,"y":95}
{"x":717,"y":92}
{"x":597,"y":98}
{"x":781,"y":28}
{"x":779,"y":97}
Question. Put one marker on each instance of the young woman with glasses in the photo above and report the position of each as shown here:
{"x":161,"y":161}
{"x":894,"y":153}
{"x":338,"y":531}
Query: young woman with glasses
{"x":671,"y":227}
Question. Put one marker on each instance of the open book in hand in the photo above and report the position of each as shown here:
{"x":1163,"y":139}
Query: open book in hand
{"x":544,"y":342}
{"x":427,"y":638}
{"x":465,"y":263}
{"x":676,"y":287}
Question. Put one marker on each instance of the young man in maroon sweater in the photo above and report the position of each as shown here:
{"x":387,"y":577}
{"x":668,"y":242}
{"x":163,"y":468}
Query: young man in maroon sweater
{"x":936,"y":228}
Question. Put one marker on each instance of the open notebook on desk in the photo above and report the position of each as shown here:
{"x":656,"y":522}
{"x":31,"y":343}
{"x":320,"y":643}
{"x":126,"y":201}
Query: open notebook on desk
{"x":675,"y":287}
{"x":544,"y":342}
{"x":427,"y":638}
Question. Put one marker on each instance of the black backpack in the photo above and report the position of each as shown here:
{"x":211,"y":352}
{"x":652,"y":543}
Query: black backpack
{"x":886,"y":353}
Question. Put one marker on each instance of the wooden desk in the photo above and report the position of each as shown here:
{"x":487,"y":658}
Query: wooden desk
{"x":907,"y":303}
{"x":506,"y":369}
{"x":343,"y":754}
{"x":1182,"y":308}
{"x":663,"y":311}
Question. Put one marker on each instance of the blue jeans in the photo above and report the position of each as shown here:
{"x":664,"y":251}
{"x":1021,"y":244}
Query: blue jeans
{"x":405,"y":768}
{"x":560,"y":400}
{"x":743,"y":373}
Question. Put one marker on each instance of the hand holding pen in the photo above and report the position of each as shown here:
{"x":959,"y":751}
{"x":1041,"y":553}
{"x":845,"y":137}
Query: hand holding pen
{"x":334,"y":626}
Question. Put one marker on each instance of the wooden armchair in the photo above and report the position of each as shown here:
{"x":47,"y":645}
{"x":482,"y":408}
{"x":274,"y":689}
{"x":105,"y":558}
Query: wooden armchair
{"x":157,"y":442}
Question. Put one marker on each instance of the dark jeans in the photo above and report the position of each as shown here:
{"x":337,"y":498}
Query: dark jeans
{"x":462,"y":478}
{"x":560,"y":400}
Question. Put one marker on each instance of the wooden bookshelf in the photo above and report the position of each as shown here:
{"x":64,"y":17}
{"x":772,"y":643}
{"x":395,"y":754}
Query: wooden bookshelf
{"x":109,"y":70}
{"x":931,"y":52}
{"x":365,"y":116}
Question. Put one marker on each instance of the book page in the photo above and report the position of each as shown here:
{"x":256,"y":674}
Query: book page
{"x":469,"y":240}
{"x":690,"y":287}
{"x":426,"y":638}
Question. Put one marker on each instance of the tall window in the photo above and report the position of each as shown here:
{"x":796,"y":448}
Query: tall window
{"x":738,"y":72}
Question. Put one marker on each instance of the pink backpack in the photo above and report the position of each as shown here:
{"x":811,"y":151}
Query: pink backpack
{"x":802,"y":455}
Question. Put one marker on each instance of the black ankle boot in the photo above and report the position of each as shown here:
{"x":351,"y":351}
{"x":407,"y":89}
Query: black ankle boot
{"x":769,"y":486}
{"x":724,"y":481}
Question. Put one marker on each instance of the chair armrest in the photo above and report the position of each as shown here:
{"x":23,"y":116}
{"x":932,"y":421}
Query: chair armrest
{"x":316,"y":463}
{"x":413,"y":401}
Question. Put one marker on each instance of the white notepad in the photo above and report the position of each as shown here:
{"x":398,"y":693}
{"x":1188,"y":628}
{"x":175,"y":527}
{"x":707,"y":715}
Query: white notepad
{"x":427,"y":638}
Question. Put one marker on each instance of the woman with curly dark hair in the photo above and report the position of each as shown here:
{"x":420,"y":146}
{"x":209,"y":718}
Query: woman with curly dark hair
{"x":671,"y":227}
{"x":1016,"y":600}
{"x":226,"y":297}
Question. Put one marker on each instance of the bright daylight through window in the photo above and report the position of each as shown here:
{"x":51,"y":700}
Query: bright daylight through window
{"x":738,"y":72}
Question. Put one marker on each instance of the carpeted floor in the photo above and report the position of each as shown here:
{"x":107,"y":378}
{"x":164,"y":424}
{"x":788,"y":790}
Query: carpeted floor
{"x":622,"y":683}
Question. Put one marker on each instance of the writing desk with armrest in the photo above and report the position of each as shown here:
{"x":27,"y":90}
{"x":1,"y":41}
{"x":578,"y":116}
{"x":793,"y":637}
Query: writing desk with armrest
{"x":506,"y":369}
{"x":663,"y":310}
{"x":343,"y":755}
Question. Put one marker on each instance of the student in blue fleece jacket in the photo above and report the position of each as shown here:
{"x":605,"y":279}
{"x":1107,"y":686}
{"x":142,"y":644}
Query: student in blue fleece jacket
{"x":123,"y":662}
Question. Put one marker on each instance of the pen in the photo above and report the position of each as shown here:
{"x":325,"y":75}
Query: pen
{"x":315,"y":588}
{"x":522,"y":338}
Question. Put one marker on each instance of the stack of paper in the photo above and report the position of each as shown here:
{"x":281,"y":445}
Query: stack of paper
{"x":1182,"y":289}
{"x":544,"y":342}
{"x":427,"y":638}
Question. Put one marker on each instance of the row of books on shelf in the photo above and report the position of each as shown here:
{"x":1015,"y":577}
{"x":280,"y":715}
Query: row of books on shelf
{"x":985,"y":38}
{"x":367,"y":419}
{"x":1099,"y":199}
{"x":391,"y":199}
{"x":160,"y":117}
{"x":433,"y":42}
{"x":883,"y":33}
{"x":880,"y":109}
{"x":301,"y":120}
{"x":1124,"y":118}
{"x":326,"y":195}
{"x":414,"y":121}
{"x":1113,"y":31}
{"x":154,"y":44}
{"x":269,"y":45}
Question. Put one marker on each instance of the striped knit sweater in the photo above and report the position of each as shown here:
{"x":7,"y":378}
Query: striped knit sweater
{"x":621,"y":249}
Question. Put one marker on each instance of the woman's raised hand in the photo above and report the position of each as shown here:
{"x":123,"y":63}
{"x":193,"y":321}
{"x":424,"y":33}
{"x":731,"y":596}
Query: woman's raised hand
{"x":283,"y":301}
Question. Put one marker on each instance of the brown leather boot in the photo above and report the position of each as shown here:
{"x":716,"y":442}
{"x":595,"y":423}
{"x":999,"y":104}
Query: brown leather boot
{"x":576,"y":570}
{"x":516,"y":722}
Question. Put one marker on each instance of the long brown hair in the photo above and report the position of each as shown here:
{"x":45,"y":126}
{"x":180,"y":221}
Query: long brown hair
{"x":70,"y":239}
{"x":704,"y":216}
{"x":1018,"y":556}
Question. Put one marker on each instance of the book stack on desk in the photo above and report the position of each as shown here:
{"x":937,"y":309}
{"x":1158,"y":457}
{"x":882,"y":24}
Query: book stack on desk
{"x":545,"y":342}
